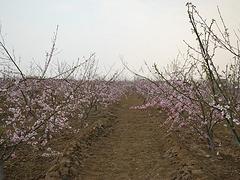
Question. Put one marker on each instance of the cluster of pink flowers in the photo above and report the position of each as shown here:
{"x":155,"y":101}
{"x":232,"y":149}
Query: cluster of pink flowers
{"x":187,"y":105}
{"x":33,"y":110}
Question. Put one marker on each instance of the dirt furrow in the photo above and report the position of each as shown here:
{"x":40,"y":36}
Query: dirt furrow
{"x":133,"y":150}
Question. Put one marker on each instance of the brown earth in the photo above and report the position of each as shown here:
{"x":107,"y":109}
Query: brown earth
{"x":133,"y":144}
{"x":132,"y":151}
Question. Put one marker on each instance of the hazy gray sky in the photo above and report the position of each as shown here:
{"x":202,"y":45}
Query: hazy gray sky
{"x":138,"y":30}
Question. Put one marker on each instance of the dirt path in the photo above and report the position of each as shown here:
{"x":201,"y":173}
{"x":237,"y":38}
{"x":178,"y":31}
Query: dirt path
{"x":133,"y":150}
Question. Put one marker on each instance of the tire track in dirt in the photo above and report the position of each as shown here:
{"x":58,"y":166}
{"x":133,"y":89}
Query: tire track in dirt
{"x":133,"y":150}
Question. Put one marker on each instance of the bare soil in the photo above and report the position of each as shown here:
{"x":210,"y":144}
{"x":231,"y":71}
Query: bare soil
{"x":132,"y":151}
{"x":131,"y":144}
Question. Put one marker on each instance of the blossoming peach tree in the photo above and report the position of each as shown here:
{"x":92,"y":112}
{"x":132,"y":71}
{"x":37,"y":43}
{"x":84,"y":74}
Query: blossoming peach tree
{"x":35,"y":108}
{"x":196,"y":95}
